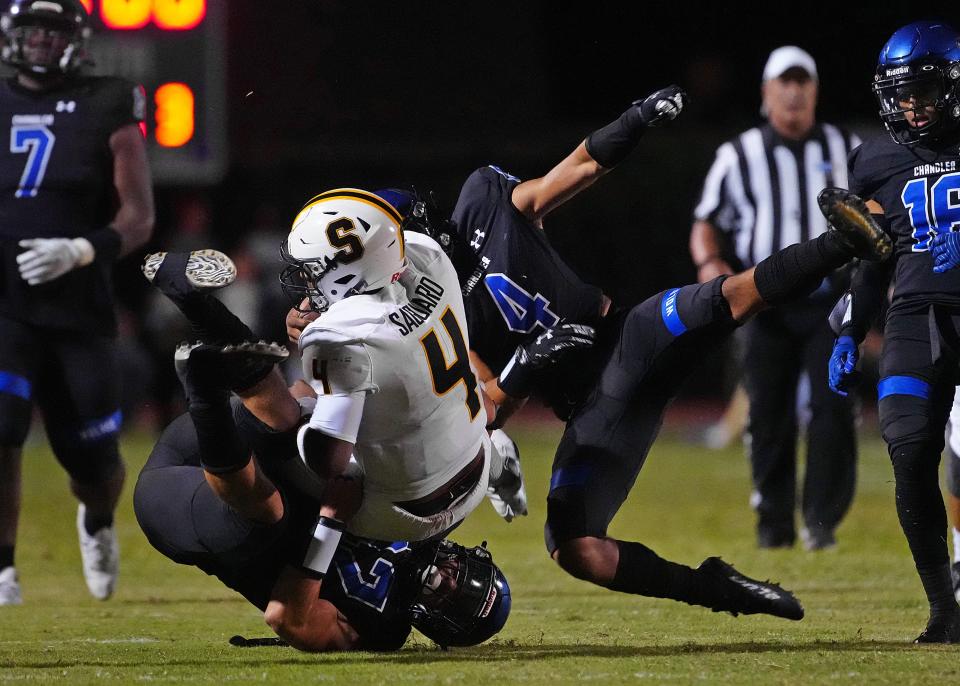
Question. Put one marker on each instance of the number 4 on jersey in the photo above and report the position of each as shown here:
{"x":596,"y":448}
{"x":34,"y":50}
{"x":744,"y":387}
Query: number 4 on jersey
{"x":447,"y":377}
{"x":521,"y":311}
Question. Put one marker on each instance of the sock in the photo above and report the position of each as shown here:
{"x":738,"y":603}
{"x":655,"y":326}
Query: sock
{"x":210,"y":319}
{"x":642,"y":572}
{"x":923,"y":519}
{"x":221,"y":449}
{"x":939,"y":589}
{"x":956,"y":544}
{"x":6,"y":556}
{"x":798,"y":270}
{"x":93,"y":522}
{"x":212,"y":322}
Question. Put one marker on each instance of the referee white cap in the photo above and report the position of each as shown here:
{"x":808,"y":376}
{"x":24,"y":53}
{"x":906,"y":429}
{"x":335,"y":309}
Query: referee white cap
{"x":788,"y":57}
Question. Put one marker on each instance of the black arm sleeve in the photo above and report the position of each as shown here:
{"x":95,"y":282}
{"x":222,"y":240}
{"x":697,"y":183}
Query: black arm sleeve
{"x":868,"y":288}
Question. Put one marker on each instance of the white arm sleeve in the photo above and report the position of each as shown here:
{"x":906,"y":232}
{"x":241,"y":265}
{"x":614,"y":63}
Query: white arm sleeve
{"x":337,"y":416}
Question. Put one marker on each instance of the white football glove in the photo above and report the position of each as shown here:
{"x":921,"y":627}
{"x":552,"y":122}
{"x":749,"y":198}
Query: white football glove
{"x":47,"y":259}
{"x":508,"y":494}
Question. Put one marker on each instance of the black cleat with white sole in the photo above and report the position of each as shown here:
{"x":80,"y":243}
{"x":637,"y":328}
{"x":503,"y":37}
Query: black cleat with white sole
{"x":180,"y":273}
{"x":941,"y":629}
{"x":850,"y":219}
{"x":203,"y":367}
{"x":739,"y":594}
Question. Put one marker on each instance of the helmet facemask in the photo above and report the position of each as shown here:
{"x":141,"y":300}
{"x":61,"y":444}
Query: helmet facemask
{"x":905,"y":102}
{"x":462,"y":599}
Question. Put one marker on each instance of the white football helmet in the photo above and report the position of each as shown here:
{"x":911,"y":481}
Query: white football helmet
{"x":343,"y":242}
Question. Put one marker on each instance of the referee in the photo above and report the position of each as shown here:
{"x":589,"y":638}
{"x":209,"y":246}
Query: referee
{"x":760,"y":196}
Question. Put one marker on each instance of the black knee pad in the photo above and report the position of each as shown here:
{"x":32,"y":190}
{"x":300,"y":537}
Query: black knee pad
{"x":905,"y":419}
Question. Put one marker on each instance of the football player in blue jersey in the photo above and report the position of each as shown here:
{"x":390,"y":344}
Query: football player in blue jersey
{"x":75,"y":195}
{"x":911,"y":179}
{"x":536,"y":328}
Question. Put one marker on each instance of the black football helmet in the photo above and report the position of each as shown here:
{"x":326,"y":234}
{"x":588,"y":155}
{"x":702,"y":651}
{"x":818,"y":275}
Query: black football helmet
{"x":463,"y":598}
{"x":45,"y":37}
{"x":423,"y":214}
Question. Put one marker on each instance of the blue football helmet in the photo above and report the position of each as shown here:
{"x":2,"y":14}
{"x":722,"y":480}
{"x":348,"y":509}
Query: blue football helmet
{"x":463,"y":597}
{"x":919,"y":67}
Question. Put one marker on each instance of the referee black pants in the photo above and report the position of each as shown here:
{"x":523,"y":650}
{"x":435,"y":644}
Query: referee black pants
{"x":780,"y":345}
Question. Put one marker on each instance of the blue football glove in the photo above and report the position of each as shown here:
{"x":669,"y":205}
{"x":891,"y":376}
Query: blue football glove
{"x":842,"y":369}
{"x":945,"y":250}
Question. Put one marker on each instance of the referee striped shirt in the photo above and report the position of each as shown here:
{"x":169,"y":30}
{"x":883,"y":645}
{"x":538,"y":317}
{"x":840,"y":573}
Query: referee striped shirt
{"x":762,"y":189}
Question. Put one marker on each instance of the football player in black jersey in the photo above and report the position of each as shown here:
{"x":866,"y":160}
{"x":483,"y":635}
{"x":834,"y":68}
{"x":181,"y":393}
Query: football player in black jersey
{"x":75,"y":195}
{"x":526,"y":308}
{"x":912,"y":181}
{"x":222,"y":492}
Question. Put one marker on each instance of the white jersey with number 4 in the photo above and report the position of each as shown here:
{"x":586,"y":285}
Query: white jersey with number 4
{"x":406,"y":348}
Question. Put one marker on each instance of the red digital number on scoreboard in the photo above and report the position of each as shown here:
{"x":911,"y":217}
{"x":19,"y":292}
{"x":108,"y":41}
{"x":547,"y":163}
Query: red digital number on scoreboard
{"x":169,"y":15}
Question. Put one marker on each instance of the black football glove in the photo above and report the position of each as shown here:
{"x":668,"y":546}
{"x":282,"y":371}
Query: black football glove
{"x":516,"y":379}
{"x":661,"y":106}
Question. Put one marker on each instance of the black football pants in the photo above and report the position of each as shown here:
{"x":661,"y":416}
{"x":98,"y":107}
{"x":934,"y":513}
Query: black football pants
{"x":780,"y":345}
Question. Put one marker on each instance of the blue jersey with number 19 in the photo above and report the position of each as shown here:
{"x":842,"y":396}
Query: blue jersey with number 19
{"x":918,"y":188}
{"x":521,"y":286}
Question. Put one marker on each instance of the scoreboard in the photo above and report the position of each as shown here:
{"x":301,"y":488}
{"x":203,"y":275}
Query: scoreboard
{"x":176,"y":50}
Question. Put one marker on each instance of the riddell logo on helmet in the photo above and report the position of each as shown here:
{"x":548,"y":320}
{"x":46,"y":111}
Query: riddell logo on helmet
{"x":898,"y":71}
{"x":488,"y":604}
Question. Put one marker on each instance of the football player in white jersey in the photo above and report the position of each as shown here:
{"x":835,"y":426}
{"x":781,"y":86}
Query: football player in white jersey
{"x":385,"y":354}
{"x":388,"y":359}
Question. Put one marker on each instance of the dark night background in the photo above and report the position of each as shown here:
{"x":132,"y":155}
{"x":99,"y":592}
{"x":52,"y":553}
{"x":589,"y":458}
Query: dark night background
{"x":327,"y":93}
{"x":382,"y":93}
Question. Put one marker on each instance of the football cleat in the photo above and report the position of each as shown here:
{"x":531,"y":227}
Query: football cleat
{"x":850,"y":219}
{"x":204,"y":366}
{"x":177,"y":273}
{"x":941,"y":630}
{"x":9,"y":587}
{"x":743,"y":595}
{"x":100,"y":554}
{"x":508,"y":495}
{"x":817,"y":539}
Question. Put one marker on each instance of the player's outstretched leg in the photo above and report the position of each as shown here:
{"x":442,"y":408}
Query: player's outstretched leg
{"x":630,"y":567}
{"x":187,"y":278}
{"x":798,"y":270}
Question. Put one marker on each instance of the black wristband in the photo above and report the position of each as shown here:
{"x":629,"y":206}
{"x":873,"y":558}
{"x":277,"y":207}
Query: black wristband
{"x":516,"y":379}
{"x":610,"y":145}
{"x":330,"y":523}
{"x":106,"y":243}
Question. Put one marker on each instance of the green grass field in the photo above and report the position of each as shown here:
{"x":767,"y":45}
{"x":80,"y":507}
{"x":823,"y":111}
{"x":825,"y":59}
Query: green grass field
{"x":171,"y":624}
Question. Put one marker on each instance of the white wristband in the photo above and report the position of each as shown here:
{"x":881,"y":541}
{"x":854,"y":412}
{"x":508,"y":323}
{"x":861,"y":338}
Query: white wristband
{"x":326,"y":538}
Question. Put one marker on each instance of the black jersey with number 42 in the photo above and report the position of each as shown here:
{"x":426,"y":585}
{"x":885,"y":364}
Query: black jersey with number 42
{"x":521,"y":286}
{"x":56,"y":180}
{"x":919,"y":190}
